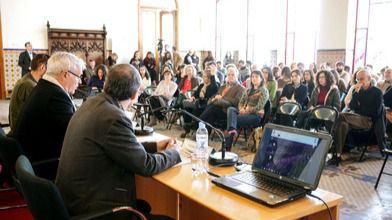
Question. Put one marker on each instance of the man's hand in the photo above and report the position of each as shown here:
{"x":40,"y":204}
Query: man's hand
{"x":358,"y":87}
{"x":170,"y":143}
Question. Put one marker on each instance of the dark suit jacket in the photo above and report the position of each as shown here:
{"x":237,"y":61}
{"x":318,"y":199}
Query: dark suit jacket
{"x":101,"y":156}
{"x":24,"y":61}
{"x":43,"y":121}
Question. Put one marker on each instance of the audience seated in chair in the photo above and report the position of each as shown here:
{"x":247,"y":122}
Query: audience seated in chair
{"x":46,"y":114}
{"x":198,"y":102}
{"x":325,"y":94}
{"x":366,"y":106}
{"x":149,"y":63}
{"x":308,"y":80}
{"x":270,"y":84}
{"x":95,"y":85}
{"x":188,"y":83}
{"x":100,"y":174}
{"x":250,"y":109}
{"x":295,"y":91}
{"x":228,"y":95}
{"x":162,"y":96}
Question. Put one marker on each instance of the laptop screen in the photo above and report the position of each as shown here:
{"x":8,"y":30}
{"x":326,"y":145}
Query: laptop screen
{"x":293,"y":155}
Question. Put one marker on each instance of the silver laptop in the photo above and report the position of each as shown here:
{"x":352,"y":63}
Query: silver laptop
{"x":287,"y":165}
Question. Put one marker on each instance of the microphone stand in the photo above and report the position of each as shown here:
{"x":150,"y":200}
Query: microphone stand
{"x":141,"y":130}
{"x":221,"y":158}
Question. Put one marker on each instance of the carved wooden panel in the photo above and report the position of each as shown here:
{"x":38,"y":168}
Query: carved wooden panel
{"x":86,"y":44}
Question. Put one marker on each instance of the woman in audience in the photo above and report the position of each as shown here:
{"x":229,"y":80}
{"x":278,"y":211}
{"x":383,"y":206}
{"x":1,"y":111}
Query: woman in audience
{"x":146,"y":81}
{"x":309,"y":81}
{"x":149,"y":62}
{"x":276,"y":72}
{"x":325,"y":94}
{"x":180,"y":73}
{"x":162,"y":96}
{"x":284,"y":78}
{"x":136,"y":59}
{"x":250,"y":110}
{"x":187,"y":84}
{"x":167,"y":60}
{"x":228,"y":95}
{"x":95,"y":85}
{"x":198,"y":102}
{"x":189,"y":81}
{"x":340,"y":83}
{"x":295,"y":91}
{"x":349,"y":95}
{"x":270,"y":84}
{"x":209,"y":58}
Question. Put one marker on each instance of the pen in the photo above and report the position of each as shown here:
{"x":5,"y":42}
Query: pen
{"x":210,"y":173}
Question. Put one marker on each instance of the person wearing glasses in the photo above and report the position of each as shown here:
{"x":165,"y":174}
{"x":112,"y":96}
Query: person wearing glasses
{"x":45,"y":116}
{"x":366,"y":108}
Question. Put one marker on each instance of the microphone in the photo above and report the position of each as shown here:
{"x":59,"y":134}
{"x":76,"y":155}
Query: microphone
{"x":221,"y":158}
{"x":143,"y":130}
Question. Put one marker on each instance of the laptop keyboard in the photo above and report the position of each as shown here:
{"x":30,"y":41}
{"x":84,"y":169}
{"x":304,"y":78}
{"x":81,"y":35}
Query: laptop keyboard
{"x":265,"y":183}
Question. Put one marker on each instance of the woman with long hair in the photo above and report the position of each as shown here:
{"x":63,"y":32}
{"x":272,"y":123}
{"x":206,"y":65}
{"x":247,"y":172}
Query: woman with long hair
{"x":250,"y":109}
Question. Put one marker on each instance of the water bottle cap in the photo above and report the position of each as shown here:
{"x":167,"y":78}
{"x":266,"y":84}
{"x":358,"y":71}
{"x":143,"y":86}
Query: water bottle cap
{"x":202,"y":125}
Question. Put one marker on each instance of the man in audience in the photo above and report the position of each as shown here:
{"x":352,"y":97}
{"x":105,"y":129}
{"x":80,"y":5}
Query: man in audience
{"x":45,"y":116}
{"x":101,"y":154}
{"x":24,"y":86}
{"x":25,"y":58}
{"x":387,"y":82}
{"x":339,"y":67}
{"x":243,"y":70}
{"x":219,"y":77}
{"x":367,"y":104}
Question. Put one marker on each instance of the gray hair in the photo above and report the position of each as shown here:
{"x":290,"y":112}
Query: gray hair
{"x":63,"y":61}
{"x":122,"y":82}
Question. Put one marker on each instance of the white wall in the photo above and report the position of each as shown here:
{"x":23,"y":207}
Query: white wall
{"x":197,"y":25}
{"x":25,"y":20}
{"x":333,"y":24}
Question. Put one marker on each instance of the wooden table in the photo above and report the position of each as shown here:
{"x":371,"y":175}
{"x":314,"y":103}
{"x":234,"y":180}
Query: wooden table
{"x":179,"y":194}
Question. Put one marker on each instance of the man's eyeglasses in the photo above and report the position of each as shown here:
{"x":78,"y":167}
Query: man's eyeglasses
{"x":77,"y":76}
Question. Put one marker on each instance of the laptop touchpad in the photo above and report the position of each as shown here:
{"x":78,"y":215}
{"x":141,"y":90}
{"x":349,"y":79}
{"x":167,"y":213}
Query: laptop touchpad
{"x":246,"y":188}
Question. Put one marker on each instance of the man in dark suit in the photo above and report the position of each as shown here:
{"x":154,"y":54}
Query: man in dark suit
{"x":46,"y":113}
{"x":101,"y":155}
{"x":25,"y":58}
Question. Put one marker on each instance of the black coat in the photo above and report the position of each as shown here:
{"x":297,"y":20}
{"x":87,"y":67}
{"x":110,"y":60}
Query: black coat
{"x":43,"y":121}
{"x":24,"y":62}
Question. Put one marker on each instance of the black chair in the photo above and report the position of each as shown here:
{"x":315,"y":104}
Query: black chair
{"x":322,"y":119}
{"x":44,"y":199}
{"x":267,"y":113}
{"x":9,"y":151}
{"x":387,"y":152}
{"x":286,"y":113}
{"x":362,"y":138}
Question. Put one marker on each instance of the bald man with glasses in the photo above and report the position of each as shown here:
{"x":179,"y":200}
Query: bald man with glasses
{"x":45,"y":116}
{"x":366,"y":111}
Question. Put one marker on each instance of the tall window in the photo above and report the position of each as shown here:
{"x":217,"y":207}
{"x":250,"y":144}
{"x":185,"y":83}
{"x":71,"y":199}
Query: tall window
{"x":232,"y":28}
{"x":256,"y":30}
{"x":379,"y":47}
{"x":304,"y":24}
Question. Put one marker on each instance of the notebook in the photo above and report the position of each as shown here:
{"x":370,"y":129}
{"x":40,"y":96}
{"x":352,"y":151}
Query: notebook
{"x":287,"y":165}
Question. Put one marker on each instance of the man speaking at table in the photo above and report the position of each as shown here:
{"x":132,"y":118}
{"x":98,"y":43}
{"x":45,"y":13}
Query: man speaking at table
{"x":100,"y":154}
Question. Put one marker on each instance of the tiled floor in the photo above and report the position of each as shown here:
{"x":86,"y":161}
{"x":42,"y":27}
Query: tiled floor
{"x":353,"y":180}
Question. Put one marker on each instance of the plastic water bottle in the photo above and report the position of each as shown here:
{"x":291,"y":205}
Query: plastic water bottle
{"x":201,"y":148}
